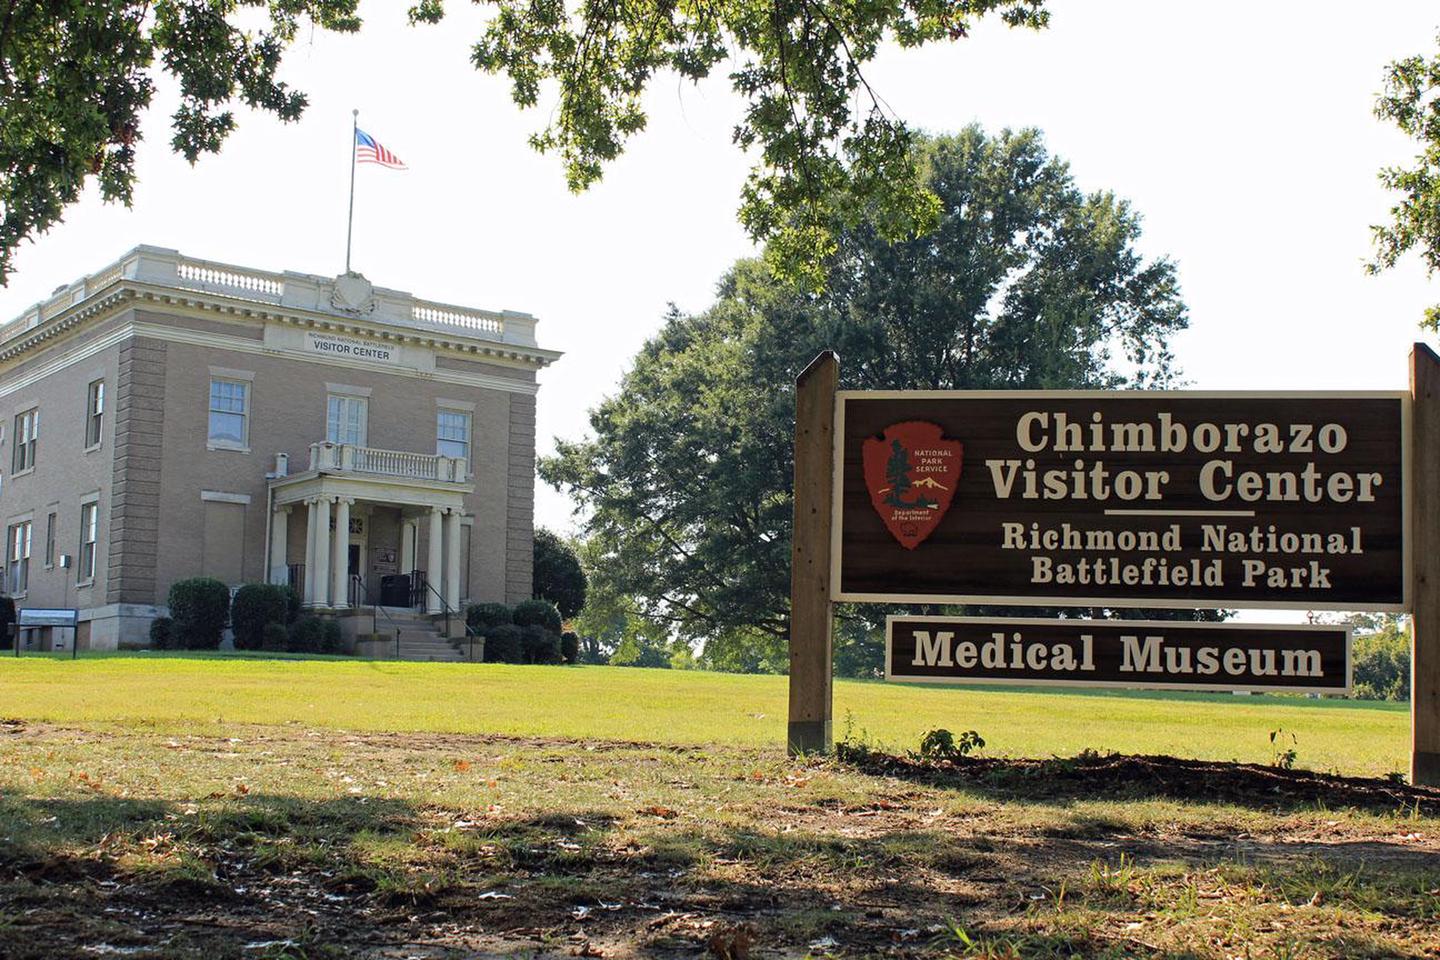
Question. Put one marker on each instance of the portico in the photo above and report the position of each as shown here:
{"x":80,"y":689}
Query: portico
{"x":346,"y":494}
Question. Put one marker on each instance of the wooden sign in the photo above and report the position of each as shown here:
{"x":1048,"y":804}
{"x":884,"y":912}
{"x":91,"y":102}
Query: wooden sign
{"x":1135,"y":499}
{"x":1134,"y":654}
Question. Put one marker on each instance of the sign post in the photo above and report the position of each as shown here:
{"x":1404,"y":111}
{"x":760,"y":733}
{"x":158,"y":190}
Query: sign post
{"x":1425,"y":548}
{"x":810,"y":606}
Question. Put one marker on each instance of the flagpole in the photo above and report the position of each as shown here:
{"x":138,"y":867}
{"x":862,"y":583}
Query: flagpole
{"x":350,"y":222}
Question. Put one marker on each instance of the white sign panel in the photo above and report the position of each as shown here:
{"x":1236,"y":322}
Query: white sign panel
{"x":351,"y":348}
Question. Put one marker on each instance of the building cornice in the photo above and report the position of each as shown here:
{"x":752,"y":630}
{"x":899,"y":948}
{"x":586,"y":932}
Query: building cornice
{"x":347,"y":305}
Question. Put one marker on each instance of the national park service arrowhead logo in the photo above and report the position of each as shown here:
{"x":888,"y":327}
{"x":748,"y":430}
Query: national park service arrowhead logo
{"x":911,"y":471}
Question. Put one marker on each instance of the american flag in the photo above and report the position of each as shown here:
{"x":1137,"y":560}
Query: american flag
{"x":368,"y":150}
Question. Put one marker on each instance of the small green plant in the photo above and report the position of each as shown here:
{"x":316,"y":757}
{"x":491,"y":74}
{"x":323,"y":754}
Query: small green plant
{"x":1283,"y":758}
{"x":1113,"y":881}
{"x":941,"y":744}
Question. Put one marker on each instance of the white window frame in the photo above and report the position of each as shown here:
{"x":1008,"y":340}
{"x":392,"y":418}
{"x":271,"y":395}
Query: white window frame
{"x":85,"y":573}
{"x":346,"y":401}
{"x":222,"y":443}
{"x":19,"y":539}
{"x":95,"y":414}
{"x":27,"y":436}
{"x":469,"y":441}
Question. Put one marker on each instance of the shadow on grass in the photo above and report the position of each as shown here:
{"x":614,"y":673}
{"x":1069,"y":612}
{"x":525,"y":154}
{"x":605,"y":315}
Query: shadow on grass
{"x":348,"y":876}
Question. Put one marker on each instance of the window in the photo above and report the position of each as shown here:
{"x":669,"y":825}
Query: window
{"x":452,"y":434}
{"x":27,"y":430}
{"x":17,"y":556}
{"x":50,"y":540}
{"x":345,"y":420}
{"x":229,"y":413}
{"x":89,"y":520}
{"x":94,"y":413}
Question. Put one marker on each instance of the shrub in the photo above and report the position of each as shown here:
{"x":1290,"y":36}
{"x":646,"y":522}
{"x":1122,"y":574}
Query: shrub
{"x":570,"y":646}
{"x":504,"y":644}
{"x":540,"y":645}
{"x":258,"y":604}
{"x":274,"y":637}
{"x":307,"y":635}
{"x":7,"y":617}
{"x":162,"y":633}
{"x":481,"y":616}
{"x":538,"y":613}
{"x":332,"y":640}
{"x":200,"y":608}
{"x":942,"y":745}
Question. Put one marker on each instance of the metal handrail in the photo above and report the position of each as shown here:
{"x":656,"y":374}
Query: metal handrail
{"x":375,"y":609}
{"x":444,"y":605}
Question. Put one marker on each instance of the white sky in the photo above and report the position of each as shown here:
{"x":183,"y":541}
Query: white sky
{"x":1242,"y":132}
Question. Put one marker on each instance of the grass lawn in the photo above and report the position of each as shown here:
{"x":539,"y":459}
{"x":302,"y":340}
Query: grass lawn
{"x":189,"y":692}
{"x":209,"y":807}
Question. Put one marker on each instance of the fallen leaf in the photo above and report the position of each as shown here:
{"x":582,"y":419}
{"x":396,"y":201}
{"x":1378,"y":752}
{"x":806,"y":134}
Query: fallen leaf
{"x":664,"y":813}
{"x":462,"y":766}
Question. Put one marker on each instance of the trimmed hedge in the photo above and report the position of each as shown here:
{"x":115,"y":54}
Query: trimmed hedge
{"x":332,"y":639}
{"x":541,"y":645}
{"x":257,"y":605}
{"x":200,"y":607}
{"x":504,"y":643}
{"x":482,"y":616}
{"x":538,"y":613}
{"x":275,"y":637}
{"x":307,"y":635}
{"x":162,"y":633}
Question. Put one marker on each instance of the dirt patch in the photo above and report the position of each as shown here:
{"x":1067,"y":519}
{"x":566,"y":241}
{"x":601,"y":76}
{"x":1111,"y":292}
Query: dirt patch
{"x":1122,"y":776}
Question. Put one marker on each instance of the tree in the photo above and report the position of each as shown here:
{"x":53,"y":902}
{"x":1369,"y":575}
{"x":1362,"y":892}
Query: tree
{"x":826,"y":145}
{"x":1411,"y":99}
{"x":558,"y":576}
{"x":686,"y":478}
{"x":76,"y":75}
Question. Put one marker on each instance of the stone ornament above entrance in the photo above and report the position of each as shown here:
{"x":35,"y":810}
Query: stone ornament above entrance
{"x":353,"y":294}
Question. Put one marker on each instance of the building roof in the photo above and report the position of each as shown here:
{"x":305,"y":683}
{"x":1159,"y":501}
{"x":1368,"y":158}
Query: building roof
{"x":348,"y":304}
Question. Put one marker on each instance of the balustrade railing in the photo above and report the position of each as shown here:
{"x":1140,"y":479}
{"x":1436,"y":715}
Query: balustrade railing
{"x":403,"y":464}
{"x":154,"y":265}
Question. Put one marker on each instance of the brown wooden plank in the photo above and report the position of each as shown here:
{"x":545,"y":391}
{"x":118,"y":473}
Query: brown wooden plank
{"x":1425,"y":550}
{"x":810,"y":610}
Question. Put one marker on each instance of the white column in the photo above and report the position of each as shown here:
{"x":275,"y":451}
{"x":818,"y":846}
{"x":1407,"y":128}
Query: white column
{"x":433,"y":571}
{"x":340,"y":558}
{"x":407,"y":546}
{"x":279,"y":544}
{"x":322,"y":552}
{"x":310,"y":539}
{"x":452,"y":559}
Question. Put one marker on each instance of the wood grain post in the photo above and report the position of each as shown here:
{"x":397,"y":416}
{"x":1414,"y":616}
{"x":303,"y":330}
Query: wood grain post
{"x":810,"y":610}
{"x":1424,"y":481}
